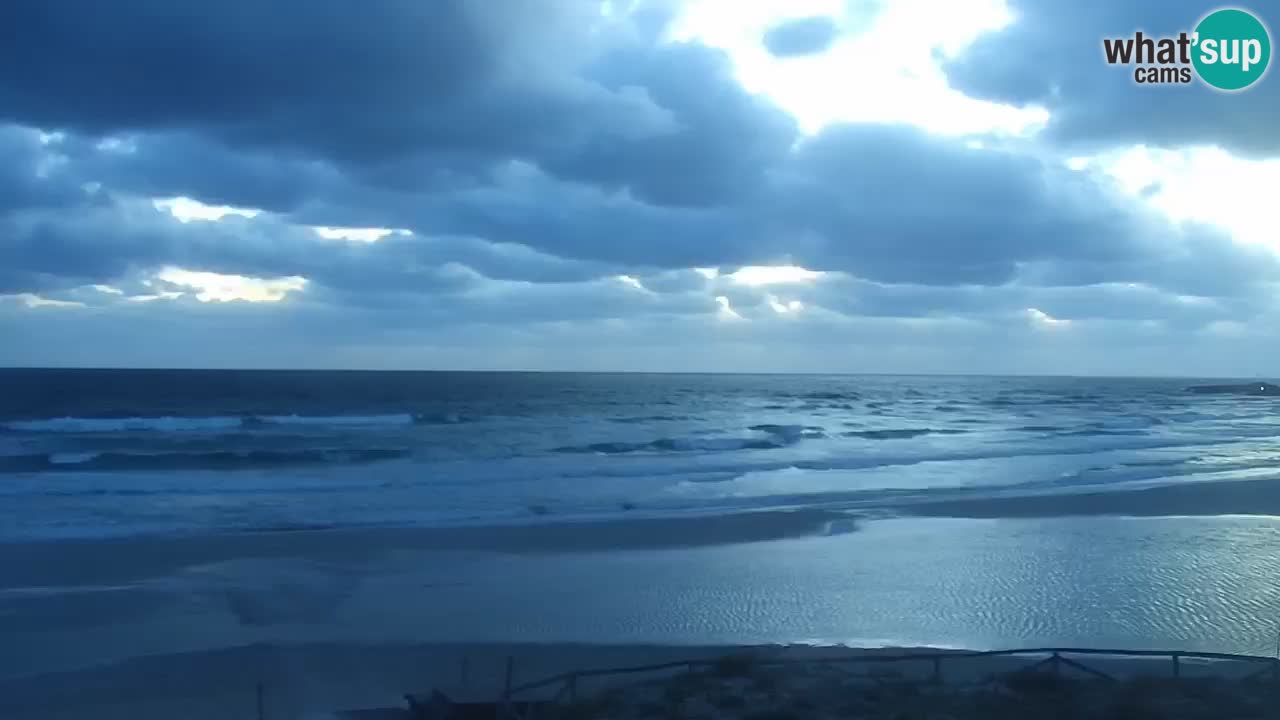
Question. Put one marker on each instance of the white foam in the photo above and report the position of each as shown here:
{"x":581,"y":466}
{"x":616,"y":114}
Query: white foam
{"x":338,"y":420}
{"x":72,"y":458}
{"x":197,"y":424}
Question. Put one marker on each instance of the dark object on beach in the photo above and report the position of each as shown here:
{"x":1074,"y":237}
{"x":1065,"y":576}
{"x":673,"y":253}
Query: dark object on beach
{"x":438,"y":706}
{"x":775,"y":715}
{"x":1031,"y":683}
{"x":376,"y":714}
{"x":735,"y":665}
{"x":1254,"y":388}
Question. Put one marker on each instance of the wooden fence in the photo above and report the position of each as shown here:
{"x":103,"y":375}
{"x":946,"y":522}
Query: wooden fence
{"x":1056,"y":658}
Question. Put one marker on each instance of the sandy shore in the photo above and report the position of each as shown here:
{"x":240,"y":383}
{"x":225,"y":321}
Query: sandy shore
{"x":1239,"y":497}
{"x":325,"y":619}
{"x":116,"y":560}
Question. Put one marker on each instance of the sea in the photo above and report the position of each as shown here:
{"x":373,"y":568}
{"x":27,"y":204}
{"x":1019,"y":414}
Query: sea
{"x":160,"y":513}
{"x":92,"y":453}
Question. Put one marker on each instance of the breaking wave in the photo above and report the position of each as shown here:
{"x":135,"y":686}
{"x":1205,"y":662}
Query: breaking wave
{"x":223,"y":423}
{"x":768,"y":437}
{"x":214,"y":460}
{"x":900,"y":434}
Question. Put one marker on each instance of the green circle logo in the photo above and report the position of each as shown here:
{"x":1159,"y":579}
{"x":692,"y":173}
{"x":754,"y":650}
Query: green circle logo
{"x":1232,"y":49}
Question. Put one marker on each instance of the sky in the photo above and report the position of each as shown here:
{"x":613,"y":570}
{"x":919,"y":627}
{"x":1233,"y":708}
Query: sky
{"x":643,"y":185}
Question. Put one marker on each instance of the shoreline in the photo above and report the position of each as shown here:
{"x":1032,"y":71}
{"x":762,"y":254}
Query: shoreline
{"x":635,"y":530}
{"x":1254,"y":497}
{"x":83,"y":561}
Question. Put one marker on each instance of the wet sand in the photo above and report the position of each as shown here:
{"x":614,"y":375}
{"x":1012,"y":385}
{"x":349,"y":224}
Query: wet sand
{"x":115,"y":560}
{"x":327,"y":619}
{"x":1239,"y":497}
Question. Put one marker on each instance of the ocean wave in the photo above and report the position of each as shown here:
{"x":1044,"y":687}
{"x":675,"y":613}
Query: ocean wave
{"x":444,"y":418}
{"x":173,"y":424}
{"x":770,"y":437}
{"x":128,"y":424}
{"x":820,"y":395}
{"x":396,"y":419}
{"x":901,"y":434}
{"x":212,"y":460}
{"x":1104,"y":432}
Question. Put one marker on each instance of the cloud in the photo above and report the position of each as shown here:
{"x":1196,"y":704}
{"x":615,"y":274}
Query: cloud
{"x":1051,"y":55}
{"x":106,"y":238}
{"x":30,"y":175}
{"x":720,"y":142}
{"x":801,"y":36}
{"x":555,"y":180}
{"x":885,"y":204}
{"x":900,"y":206}
{"x":450,"y":84}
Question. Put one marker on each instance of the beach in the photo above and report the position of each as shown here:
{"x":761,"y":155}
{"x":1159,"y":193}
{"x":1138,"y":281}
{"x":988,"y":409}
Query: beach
{"x":356,"y":618}
{"x":340,"y":682}
{"x":163,"y":547}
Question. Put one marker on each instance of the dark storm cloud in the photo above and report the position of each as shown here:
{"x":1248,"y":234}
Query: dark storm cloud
{"x":461,"y":83}
{"x":801,"y":36}
{"x":104,"y":239}
{"x":900,"y":206}
{"x":719,"y":145}
{"x":886,"y":204}
{"x":1052,"y":55}
{"x":413,"y":96}
{"x":30,"y":175}
{"x":535,"y":156}
{"x":171,"y":164}
{"x":1108,"y":301}
{"x":694,"y":172}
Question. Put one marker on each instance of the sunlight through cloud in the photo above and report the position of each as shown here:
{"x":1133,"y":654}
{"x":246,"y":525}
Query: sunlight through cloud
{"x":216,"y":287}
{"x":1188,"y":185}
{"x":773,"y":275}
{"x":783,"y":308}
{"x":726,"y":310}
{"x":1043,"y":319}
{"x":633,"y":282}
{"x":186,"y":209}
{"x":33,"y":300}
{"x":353,"y":234}
{"x":903,"y":41}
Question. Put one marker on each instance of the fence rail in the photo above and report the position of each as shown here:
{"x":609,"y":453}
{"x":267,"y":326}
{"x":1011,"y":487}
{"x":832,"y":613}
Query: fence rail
{"x":568,"y":681}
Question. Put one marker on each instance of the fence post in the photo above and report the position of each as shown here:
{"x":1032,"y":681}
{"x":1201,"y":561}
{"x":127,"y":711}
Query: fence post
{"x":1177,"y":668}
{"x":506,"y":690}
{"x":1057,"y":664}
{"x":261,"y":711}
{"x":937,"y":670}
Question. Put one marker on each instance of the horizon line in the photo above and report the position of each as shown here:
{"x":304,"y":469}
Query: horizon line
{"x":511,"y":371}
